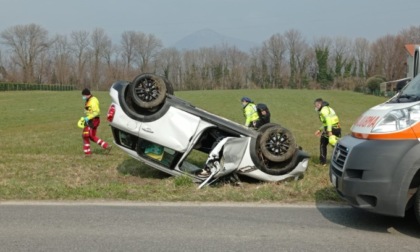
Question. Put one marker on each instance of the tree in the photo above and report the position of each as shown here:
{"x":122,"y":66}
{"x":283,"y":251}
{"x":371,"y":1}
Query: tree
{"x":341,"y":54}
{"x":147,"y":49}
{"x":26,"y":43}
{"x":129,"y":40}
{"x":411,"y":35}
{"x":361,"y":50}
{"x":101,"y":44}
{"x":170,"y":65}
{"x":389,"y":57}
{"x":258,"y":69}
{"x":236,"y":63}
{"x":282,"y":61}
{"x":62,"y":60}
{"x":322,"y":50}
{"x":113,"y":70}
{"x":373,"y":83}
{"x":80,"y":47}
{"x":299,"y":57}
{"x":274,"y":50}
{"x":192,"y":78}
{"x":3,"y":72}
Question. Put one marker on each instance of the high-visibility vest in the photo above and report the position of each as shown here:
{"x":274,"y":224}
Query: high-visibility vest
{"x":250,"y":113}
{"x":92,"y":108}
{"x":328,"y":118}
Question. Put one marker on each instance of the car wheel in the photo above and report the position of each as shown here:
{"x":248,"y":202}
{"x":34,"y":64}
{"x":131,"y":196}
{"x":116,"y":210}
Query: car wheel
{"x":277,"y":144}
{"x":148,"y":90}
{"x":280,"y":168}
{"x":417,"y":205}
{"x":266,"y":126}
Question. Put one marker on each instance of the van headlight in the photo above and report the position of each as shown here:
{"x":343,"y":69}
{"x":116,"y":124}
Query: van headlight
{"x":398,"y":119}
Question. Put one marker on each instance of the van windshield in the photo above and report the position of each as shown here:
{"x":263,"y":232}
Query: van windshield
{"x":410,"y":93}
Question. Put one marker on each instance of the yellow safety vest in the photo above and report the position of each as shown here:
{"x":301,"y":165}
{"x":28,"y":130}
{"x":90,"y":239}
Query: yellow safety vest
{"x":92,"y":108}
{"x":328,"y":118}
{"x":250,"y":113}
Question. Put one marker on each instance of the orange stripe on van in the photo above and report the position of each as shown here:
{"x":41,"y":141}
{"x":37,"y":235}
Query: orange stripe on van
{"x":399,"y":135}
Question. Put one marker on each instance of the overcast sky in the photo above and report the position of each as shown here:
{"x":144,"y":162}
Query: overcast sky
{"x":251,"y":20}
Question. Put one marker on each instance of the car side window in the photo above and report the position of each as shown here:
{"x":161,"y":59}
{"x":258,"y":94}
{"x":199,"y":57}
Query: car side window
{"x":157,"y":153}
{"x":194,"y":162}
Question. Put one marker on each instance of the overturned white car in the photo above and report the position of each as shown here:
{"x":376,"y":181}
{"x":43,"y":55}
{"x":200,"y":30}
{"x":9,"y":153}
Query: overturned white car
{"x":169,"y":134}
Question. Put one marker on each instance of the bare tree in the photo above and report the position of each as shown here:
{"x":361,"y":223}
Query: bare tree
{"x":129,"y":39}
{"x":3,"y":72}
{"x":299,"y":58}
{"x":361,"y":50}
{"x":284,"y":60}
{"x":147,"y":48}
{"x":101,"y":44}
{"x":236,"y":63}
{"x":411,"y":35}
{"x":170,"y":65}
{"x":340,"y":54}
{"x":211,"y":62}
{"x":192,"y":70}
{"x":62,"y":61}
{"x":389,"y":57}
{"x":80,"y":47}
{"x":26,"y":43}
{"x":274,"y":50}
{"x":114,"y":69}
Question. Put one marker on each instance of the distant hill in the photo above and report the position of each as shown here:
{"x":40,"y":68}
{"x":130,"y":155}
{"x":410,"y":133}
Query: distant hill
{"x":210,"y":38}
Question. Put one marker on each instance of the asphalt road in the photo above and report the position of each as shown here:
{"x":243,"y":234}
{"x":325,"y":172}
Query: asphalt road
{"x":128,"y":226}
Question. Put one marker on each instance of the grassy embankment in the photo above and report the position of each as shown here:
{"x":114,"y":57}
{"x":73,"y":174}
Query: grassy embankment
{"x":41,"y":155}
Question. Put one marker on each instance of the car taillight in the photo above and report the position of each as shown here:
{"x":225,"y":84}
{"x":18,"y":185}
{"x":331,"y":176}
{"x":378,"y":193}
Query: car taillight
{"x":111,"y":113}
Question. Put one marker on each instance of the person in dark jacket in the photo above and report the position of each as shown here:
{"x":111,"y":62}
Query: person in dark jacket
{"x":264,"y":115}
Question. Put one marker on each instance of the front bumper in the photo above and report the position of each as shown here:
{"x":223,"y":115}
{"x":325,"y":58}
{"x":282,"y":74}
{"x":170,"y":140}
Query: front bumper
{"x":374,"y":174}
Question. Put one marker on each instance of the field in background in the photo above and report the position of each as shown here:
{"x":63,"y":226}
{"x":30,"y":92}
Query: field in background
{"x":41,"y":155}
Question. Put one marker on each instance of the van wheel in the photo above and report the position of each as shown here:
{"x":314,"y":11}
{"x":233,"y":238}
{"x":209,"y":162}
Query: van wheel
{"x":277,"y":144}
{"x":417,"y":205}
{"x":149,"y":91}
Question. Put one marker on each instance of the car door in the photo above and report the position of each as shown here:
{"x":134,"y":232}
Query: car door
{"x":174,"y":130}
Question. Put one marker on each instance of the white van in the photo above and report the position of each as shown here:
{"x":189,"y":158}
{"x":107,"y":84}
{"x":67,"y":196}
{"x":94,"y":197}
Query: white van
{"x":377,"y":166}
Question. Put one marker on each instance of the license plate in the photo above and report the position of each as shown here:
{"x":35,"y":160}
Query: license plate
{"x":334,"y":180}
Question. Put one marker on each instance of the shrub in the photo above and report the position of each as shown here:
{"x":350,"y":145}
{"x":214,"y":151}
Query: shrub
{"x":373,"y":83}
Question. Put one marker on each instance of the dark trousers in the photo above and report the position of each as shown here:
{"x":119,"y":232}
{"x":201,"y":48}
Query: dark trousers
{"x":323,"y":144}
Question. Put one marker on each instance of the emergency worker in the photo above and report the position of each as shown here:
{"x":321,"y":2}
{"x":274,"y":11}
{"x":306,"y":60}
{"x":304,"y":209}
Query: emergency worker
{"x":330,"y":129}
{"x":263,"y":114}
{"x":92,"y":121}
{"x":250,"y":112}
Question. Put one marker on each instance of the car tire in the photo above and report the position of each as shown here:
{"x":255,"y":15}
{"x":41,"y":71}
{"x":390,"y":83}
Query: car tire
{"x":417,"y":205}
{"x":266,"y":126}
{"x":277,"y":144}
{"x":280,"y":168}
{"x":149,"y":91}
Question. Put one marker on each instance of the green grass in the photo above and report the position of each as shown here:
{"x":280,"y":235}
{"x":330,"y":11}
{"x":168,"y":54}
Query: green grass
{"x":41,"y":155}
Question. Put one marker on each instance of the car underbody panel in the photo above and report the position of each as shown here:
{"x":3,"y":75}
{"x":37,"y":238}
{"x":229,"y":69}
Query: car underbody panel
{"x":173,"y":136}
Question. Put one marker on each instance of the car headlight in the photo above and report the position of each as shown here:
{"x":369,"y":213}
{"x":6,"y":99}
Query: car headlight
{"x":398,"y":119}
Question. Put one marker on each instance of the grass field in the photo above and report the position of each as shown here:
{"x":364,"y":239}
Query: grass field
{"x":41,"y":155}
